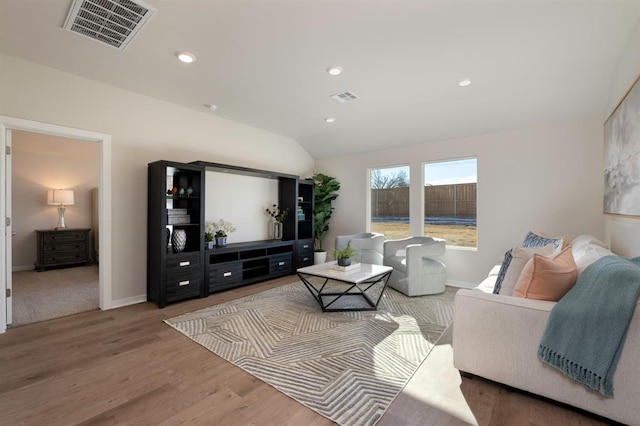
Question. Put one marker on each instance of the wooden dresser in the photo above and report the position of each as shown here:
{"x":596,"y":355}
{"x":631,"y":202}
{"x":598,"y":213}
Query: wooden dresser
{"x":62,"y":247}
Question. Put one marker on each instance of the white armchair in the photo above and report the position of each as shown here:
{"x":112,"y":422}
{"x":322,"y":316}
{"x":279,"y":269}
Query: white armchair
{"x":368,"y":246}
{"x":417,"y":265}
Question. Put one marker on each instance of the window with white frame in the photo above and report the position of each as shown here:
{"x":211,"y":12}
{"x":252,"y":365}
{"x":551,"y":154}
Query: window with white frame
{"x":390,"y":201}
{"x":450,"y":201}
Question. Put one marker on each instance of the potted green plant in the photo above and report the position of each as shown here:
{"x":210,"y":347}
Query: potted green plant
{"x":325,"y":191}
{"x":344,"y":255}
{"x":222,"y":229}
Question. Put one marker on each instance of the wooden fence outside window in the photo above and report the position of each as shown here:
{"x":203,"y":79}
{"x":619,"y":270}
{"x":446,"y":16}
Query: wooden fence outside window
{"x":457,"y":200}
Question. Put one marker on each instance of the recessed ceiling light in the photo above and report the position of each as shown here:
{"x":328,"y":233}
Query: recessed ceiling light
{"x":464,"y":82}
{"x":212,"y":107}
{"x":330,"y":119}
{"x":186,"y":57}
{"x":335,"y":70}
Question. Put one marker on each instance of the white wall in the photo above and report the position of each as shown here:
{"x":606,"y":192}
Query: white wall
{"x":546,"y":179}
{"x":623,"y":232}
{"x":40,"y":162}
{"x":241,"y":200}
{"x":143,"y":130}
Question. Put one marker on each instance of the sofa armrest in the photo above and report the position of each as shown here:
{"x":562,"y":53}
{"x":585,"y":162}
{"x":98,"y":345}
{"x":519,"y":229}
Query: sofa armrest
{"x":497,"y":337}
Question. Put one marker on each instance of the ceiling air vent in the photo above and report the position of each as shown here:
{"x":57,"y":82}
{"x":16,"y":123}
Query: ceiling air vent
{"x":345,"y":96}
{"x":113,"y":22}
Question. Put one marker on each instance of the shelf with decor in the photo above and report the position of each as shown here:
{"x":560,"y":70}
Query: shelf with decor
{"x":304,"y":218}
{"x":181,"y":267}
{"x":175,"y":232}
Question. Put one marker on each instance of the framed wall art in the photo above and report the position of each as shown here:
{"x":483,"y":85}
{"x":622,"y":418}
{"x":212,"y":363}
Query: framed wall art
{"x":622,"y":156}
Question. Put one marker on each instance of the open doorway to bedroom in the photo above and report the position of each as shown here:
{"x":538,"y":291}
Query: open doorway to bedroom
{"x":65,"y":278}
{"x":9,"y":125}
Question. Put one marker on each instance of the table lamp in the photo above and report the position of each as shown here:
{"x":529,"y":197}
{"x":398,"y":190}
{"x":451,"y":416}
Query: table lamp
{"x":60,"y":198}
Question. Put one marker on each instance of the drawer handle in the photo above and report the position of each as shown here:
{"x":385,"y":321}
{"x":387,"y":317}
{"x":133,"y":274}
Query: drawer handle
{"x":227,"y":274}
{"x":304,"y":259}
{"x":185,"y":263}
{"x":280,"y":263}
{"x":305,"y":246}
{"x":181,"y":283}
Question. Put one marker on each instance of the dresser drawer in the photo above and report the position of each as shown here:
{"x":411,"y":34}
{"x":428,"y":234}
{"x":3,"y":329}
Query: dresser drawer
{"x":304,"y":247}
{"x":183,"y":260}
{"x":304,"y":260}
{"x":180,"y":286}
{"x":281,"y":263}
{"x":79,"y":246}
{"x":64,"y":237}
{"x":224,"y":275}
{"x":60,"y":257}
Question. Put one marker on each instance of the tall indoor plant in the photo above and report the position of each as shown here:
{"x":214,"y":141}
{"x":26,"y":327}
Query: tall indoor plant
{"x":325,"y":191}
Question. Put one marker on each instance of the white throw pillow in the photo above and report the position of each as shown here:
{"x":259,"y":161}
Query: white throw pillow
{"x":589,"y":255}
{"x":519,"y":258}
{"x":582,"y":243}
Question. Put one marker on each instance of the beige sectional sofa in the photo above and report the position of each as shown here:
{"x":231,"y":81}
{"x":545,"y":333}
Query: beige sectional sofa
{"x":496,"y":337}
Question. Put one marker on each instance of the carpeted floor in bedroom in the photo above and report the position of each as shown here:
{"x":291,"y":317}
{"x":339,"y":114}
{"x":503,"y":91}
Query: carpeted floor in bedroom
{"x":55,"y":293}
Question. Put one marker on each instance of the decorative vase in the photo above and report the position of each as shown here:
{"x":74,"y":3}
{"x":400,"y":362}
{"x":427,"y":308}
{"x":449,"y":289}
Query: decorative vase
{"x":209,"y":245}
{"x":178,"y":240}
{"x":319,"y":257}
{"x":344,"y":261}
{"x":221,"y":241}
{"x":277,"y":230}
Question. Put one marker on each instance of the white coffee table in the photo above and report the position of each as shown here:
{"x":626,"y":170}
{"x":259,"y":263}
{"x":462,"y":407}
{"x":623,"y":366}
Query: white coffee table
{"x":355,"y":290}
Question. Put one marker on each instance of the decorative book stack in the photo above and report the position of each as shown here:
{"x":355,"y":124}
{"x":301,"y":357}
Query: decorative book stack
{"x":178,"y":217}
{"x":352,"y":267}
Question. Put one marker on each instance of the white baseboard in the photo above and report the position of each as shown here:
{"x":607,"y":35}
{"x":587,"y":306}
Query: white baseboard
{"x":22,"y":268}
{"x":461,"y":284}
{"x":128,"y":301}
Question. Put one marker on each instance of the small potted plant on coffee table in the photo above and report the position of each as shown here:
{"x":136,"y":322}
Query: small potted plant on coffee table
{"x":343,"y":256}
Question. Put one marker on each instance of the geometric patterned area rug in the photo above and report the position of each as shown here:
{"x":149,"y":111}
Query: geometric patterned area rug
{"x":347,"y":366}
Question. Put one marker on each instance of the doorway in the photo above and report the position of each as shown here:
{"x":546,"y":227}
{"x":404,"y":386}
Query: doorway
{"x":43,"y":163}
{"x":7,"y":126}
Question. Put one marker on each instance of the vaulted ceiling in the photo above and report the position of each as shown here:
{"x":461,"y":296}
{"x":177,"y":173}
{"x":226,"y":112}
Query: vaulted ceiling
{"x":263,"y":63}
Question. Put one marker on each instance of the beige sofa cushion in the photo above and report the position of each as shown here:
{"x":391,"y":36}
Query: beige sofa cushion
{"x":519,"y":258}
{"x":547,"y":278}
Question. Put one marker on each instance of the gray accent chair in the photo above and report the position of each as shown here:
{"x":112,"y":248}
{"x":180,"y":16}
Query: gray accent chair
{"x":417,"y":265}
{"x":368,"y":246}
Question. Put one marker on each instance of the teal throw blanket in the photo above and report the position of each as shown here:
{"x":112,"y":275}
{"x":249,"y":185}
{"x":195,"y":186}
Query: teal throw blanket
{"x":586,"y":329}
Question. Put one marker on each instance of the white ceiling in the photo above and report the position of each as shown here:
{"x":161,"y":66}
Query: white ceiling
{"x":263,"y":62}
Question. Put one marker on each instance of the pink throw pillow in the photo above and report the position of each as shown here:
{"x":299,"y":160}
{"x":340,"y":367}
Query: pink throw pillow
{"x":547,"y":278}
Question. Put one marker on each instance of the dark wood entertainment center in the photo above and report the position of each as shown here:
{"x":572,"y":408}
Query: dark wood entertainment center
{"x":196,"y":271}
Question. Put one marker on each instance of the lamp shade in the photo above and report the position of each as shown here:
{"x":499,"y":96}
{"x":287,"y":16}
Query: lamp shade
{"x":57,"y":197}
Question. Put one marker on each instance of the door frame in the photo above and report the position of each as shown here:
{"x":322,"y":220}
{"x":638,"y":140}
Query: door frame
{"x":7,"y":124}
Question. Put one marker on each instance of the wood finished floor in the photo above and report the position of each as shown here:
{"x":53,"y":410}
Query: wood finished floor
{"x":126,"y":367}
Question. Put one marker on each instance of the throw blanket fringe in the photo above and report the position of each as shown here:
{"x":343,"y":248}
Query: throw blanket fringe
{"x":587,"y":328}
{"x":576,"y":372}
